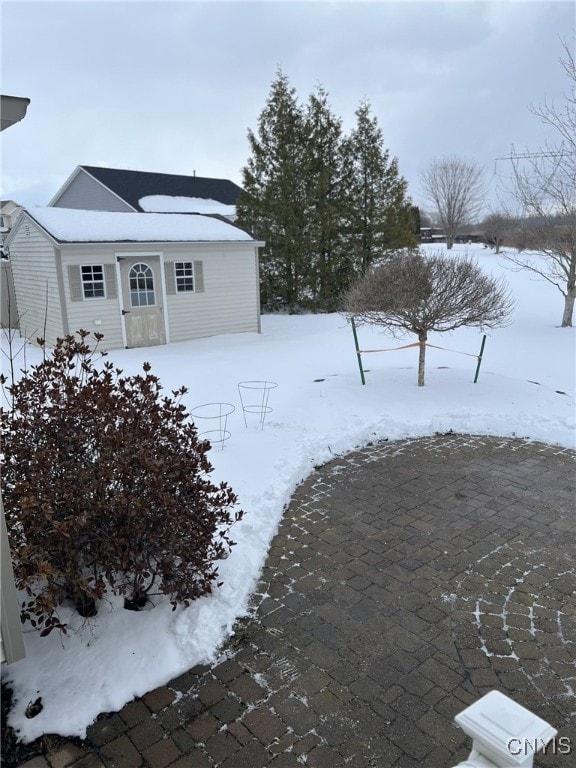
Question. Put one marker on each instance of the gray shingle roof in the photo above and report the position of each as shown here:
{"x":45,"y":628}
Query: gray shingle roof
{"x":131,"y":186}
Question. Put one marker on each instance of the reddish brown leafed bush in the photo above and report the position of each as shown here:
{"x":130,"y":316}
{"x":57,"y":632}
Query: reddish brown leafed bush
{"x":106,"y":487}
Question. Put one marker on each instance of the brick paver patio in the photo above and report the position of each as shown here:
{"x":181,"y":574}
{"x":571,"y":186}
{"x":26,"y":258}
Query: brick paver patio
{"x":406,"y":580}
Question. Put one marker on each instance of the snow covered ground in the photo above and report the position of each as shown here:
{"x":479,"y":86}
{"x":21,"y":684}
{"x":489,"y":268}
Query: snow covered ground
{"x":526,"y":388}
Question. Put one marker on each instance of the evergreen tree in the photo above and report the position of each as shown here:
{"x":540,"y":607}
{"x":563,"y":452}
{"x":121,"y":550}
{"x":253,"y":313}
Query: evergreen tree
{"x":325,"y":203}
{"x":416,"y":220}
{"x":378,"y":212}
{"x":273,"y":205}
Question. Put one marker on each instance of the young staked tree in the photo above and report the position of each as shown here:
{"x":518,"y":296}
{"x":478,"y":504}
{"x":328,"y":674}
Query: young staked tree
{"x":379,"y":214}
{"x":544,"y":185}
{"x":455,"y":189}
{"x":273,"y":203}
{"x":414,"y":293}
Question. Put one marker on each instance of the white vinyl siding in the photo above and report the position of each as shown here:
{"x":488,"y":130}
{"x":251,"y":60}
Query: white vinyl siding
{"x":225,"y":298}
{"x":229,"y":301}
{"x":97,"y":315}
{"x":33,"y":261}
{"x":87,"y":194}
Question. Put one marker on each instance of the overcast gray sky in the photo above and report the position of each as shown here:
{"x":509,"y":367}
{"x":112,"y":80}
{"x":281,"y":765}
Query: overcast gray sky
{"x":174,"y":86}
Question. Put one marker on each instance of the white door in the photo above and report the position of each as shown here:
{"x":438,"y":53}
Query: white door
{"x":142,"y":297}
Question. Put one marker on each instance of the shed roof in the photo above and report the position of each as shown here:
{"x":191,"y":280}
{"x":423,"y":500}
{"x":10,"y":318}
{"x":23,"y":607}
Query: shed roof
{"x":131,"y":186}
{"x":75,"y":226}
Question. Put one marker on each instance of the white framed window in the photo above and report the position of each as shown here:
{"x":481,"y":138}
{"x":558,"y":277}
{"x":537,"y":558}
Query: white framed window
{"x":93,"y":283}
{"x":142,"y":291}
{"x":184,"y":278}
{"x":184,"y":275}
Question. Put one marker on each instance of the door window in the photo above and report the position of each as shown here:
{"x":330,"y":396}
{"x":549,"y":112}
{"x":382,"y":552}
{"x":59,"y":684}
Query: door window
{"x":141,"y":280}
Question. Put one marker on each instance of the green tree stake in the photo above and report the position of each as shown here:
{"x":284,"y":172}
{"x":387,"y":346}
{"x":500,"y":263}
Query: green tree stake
{"x":480,"y":358}
{"x":359,"y":356}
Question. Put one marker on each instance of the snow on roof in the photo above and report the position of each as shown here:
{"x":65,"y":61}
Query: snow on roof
{"x":76,"y":226}
{"x":179,"y":204}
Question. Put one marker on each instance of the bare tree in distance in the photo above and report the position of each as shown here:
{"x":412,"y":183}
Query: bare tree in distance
{"x":414,"y":293}
{"x":544,"y":186}
{"x":496,"y":228}
{"x":455,"y":189}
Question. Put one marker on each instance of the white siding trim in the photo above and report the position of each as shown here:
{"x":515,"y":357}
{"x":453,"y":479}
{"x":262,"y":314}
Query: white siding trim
{"x":120,"y":302}
{"x":165,"y":312}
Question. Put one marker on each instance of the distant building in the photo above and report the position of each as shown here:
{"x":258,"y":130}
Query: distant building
{"x":432,"y":235}
{"x":91,"y":188}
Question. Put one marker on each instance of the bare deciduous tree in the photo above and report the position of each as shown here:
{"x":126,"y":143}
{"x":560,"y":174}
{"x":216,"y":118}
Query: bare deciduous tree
{"x":455,"y":188}
{"x":413,"y":293}
{"x":563,"y":119}
{"x":544,"y":184}
{"x":495,"y":228}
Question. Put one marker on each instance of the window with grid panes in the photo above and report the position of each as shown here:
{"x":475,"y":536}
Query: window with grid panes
{"x":184,"y":272}
{"x":142,"y":292}
{"x":93,"y":281}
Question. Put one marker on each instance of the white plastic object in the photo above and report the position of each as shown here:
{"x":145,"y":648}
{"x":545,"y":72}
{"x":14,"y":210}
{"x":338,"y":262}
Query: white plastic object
{"x":503,"y":732}
{"x":476,"y":761}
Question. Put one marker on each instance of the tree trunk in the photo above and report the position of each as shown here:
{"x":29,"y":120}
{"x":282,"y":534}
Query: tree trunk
{"x":568,"y":310}
{"x":422,"y":337}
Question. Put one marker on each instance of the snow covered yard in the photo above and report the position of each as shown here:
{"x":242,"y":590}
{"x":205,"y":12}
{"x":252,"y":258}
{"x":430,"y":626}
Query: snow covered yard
{"x":526,"y":388}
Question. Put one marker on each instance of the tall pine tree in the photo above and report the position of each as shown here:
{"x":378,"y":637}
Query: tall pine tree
{"x":273,"y":204}
{"x":378,"y":211}
{"x":325,"y":203}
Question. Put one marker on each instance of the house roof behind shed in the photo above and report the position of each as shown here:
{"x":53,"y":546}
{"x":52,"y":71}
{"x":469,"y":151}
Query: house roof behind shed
{"x":131,"y":186}
{"x":75,"y":226}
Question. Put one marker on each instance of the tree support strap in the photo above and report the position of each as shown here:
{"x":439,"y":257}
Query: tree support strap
{"x":361,"y":352}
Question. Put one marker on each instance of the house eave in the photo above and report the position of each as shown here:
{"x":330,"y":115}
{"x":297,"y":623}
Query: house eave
{"x":12,"y":110}
{"x":19,"y":223}
{"x":157,"y":243}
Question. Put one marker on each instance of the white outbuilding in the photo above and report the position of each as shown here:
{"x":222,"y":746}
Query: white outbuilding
{"x":140,"y":279}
